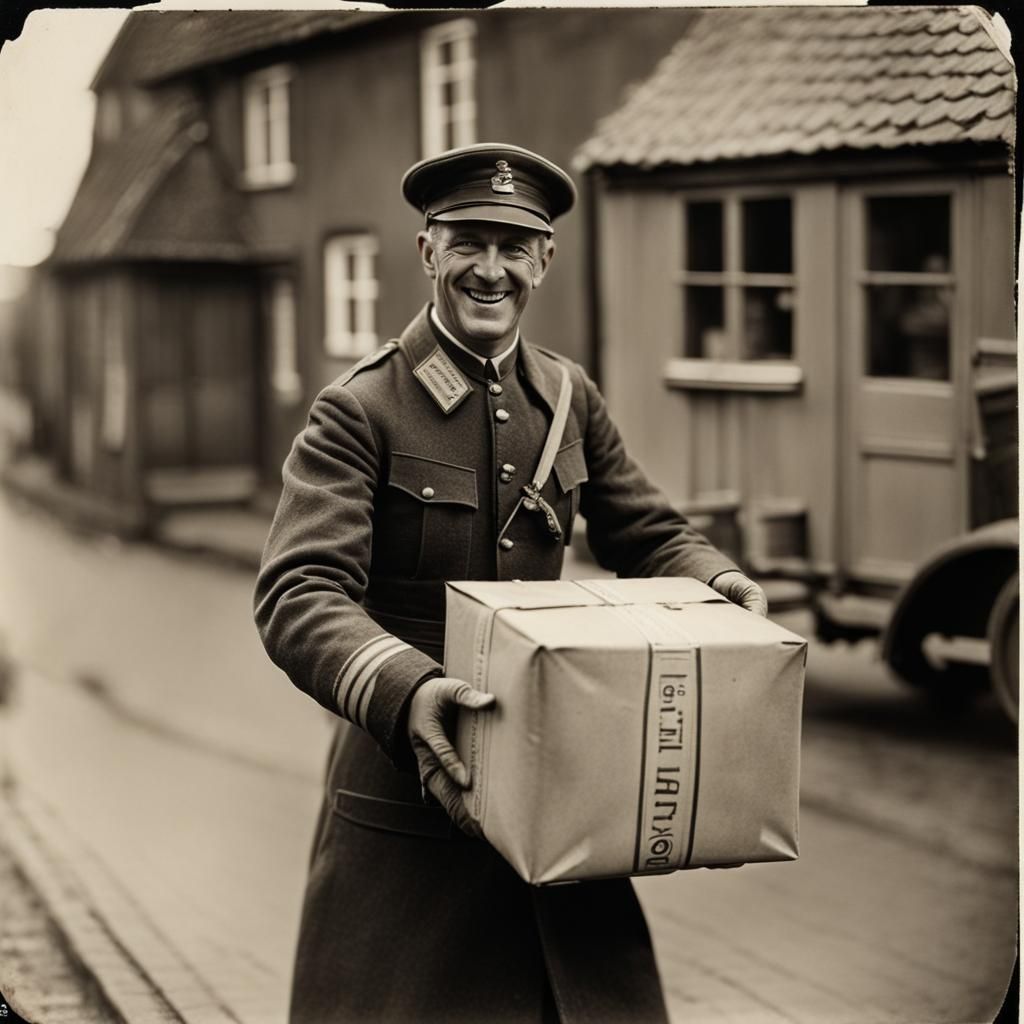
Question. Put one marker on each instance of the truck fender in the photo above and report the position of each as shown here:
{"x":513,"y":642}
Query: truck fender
{"x":951,"y":593}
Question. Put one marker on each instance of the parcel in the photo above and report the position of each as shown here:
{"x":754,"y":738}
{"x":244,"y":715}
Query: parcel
{"x":641,"y":726}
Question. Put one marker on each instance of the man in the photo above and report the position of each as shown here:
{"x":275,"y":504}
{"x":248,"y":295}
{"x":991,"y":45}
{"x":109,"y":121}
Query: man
{"x":411,"y":472}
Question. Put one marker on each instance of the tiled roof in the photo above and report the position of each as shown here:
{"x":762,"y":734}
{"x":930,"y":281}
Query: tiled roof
{"x":155,"y":45}
{"x":120,"y":208}
{"x":764,"y":82}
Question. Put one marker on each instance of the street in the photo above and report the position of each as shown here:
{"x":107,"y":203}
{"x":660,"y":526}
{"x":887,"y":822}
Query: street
{"x":151,"y":741}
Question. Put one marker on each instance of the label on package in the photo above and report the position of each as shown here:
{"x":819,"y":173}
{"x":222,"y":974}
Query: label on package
{"x":669,"y":777}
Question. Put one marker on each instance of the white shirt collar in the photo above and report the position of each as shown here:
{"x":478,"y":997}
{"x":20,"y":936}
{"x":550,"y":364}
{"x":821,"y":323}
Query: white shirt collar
{"x":497,"y":360}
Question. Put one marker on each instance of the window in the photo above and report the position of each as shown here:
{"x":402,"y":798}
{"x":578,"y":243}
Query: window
{"x":284,"y":368}
{"x":908,"y":286}
{"x":447,"y":71}
{"x":266,"y":127}
{"x":350,"y":293}
{"x":737,"y":279}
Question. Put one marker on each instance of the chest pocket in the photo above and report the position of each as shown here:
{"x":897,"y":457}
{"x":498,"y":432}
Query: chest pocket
{"x":442,"y":505}
{"x":570,"y":470}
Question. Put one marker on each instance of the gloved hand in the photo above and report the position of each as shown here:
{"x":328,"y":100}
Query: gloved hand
{"x":431,"y":717}
{"x":738,"y":589}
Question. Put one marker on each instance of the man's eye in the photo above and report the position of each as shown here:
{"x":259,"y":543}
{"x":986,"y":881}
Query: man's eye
{"x":464,"y":245}
{"x":517,"y":250}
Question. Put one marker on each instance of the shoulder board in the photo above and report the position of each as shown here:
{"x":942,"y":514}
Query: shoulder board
{"x":367,"y":361}
{"x":551,"y":354}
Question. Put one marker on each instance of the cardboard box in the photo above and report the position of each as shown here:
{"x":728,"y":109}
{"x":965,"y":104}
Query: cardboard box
{"x":641,"y":726}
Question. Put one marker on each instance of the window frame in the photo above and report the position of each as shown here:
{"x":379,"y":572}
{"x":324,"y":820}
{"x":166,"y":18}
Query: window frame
{"x":952,"y":278}
{"x":436,"y":115}
{"x":732,"y":370}
{"x":343,"y":294}
{"x":266,"y":152}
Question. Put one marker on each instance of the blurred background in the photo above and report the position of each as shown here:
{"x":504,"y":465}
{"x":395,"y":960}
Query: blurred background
{"x":792,"y":273}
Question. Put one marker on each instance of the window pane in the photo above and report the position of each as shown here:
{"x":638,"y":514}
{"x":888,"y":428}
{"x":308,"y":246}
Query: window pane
{"x":704,"y":236}
{"x":767,"y":236}
{"x":908,"y":331}
{"x":446,"y":52}
{"x":704,"y":320}
{"x":767,"y":323}
{"x":908,"y":233}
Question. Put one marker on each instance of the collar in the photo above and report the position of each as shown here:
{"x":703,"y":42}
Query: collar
{"x":540,"y":370}
{"x":497,"y":360}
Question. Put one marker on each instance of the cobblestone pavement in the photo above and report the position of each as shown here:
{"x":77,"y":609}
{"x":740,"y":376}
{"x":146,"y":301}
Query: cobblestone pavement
{"x":41,"y":982}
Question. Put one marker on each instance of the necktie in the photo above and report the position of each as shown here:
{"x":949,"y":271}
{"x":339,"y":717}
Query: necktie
{"x":490,"y":370}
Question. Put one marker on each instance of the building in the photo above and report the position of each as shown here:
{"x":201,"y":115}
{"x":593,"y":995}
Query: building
{"x":805,"y":227}
{"x":238,"y":238}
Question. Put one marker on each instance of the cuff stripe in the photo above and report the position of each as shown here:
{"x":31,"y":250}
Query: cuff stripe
{"x":346,"y":669}
{"x":361,"y":704}
{"x":360,"y":667}
{"x":351,"y":668}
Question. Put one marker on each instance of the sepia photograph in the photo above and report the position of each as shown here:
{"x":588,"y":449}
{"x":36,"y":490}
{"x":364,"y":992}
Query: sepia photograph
{"x":509,"y":515}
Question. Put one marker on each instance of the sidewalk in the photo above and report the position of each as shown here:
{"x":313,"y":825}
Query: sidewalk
{"x":175,"y":872}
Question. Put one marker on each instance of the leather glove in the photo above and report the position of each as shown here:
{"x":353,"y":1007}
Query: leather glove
{"x":738,"y":589}
{"x":432,"y":714}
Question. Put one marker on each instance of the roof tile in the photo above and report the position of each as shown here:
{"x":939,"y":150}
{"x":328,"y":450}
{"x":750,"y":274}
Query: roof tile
{"x":773,"y":80}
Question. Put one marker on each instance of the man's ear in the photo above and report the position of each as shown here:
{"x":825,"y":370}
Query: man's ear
{"x":547,"y":253}
{"x":426,"y":248}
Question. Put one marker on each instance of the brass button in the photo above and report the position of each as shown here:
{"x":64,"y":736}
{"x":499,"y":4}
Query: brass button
{"x":495,"y":389}
{"x":501,"y":415}
{"x":505,"y":478}
{"x":427,"y":492}
{"x":506,"y":544}
{"x":508,"y":468}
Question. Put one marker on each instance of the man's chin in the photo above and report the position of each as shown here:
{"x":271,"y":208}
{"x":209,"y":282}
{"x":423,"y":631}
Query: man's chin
{"x":484,"y":328}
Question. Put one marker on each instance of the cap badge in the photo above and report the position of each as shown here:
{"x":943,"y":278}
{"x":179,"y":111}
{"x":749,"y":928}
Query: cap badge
{"x":502,"y":181}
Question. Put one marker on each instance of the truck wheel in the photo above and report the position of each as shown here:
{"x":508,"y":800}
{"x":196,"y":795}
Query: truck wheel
{"x":1004,"y":641}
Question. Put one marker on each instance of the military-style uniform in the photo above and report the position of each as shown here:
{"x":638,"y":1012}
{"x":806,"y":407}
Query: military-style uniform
{"x":406,"y":475}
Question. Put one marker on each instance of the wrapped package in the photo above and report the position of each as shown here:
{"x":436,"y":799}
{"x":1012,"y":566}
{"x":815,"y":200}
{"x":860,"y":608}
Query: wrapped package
{"x":641,"y":726}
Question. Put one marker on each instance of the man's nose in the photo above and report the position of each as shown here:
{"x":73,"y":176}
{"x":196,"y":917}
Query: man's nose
{"x":488,"y":265}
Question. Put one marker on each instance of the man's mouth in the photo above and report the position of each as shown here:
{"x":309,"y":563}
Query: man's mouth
{"x":488,"y":298}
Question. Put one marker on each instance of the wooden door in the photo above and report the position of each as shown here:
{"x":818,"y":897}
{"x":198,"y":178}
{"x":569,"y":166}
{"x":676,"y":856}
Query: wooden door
{"x":905,"y":370}
{"x":199,"y":372}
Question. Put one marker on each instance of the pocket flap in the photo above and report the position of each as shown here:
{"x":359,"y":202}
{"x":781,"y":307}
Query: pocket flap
{"x":571,"y":466}
{"x":431,"y":481}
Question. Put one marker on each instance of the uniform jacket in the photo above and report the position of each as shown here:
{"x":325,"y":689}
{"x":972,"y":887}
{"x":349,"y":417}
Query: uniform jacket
{"x":407,"y":474}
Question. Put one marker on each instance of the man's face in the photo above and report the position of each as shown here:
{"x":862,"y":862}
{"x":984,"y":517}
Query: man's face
{"x":483,"y":275}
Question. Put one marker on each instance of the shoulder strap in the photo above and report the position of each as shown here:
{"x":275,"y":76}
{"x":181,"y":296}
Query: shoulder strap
{"x":367,"y":361}
{"x":531,"y":500}
{"x":554,"y":438}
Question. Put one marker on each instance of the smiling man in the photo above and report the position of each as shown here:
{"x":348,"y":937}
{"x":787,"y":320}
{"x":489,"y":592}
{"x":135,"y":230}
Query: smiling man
{"x":420,"y":465}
